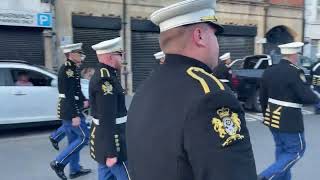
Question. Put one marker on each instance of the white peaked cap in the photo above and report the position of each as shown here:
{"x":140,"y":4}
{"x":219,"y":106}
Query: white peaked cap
{"x":159,"y":55}
{"x":291,"y":48}
{"x":186,"y":12}
{"x":224,"y":57}
{"x":109,"y":46}
{"x":71,"y":47}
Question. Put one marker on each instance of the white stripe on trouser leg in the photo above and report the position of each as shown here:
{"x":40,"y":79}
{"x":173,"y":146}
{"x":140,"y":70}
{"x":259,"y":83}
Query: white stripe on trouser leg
{"x":57,"y":135}
{"x":125,"y":167}
{"x":84,"y":137}
{"x":293,"y":161}
{"x":301,"y":144}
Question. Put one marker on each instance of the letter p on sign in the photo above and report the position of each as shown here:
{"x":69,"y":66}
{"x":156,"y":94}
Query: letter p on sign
{"x":44,"y":20}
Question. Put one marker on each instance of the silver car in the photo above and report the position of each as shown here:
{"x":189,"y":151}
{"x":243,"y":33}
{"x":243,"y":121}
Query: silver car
{"x":28,"y":102}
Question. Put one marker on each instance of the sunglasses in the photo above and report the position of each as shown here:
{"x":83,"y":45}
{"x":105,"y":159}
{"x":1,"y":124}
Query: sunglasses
{"x":78,"y":52}
{"x":119,"y":53}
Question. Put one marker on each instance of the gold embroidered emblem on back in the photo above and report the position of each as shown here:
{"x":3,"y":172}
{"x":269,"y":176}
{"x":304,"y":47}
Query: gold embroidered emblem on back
{"x":227,"y":125}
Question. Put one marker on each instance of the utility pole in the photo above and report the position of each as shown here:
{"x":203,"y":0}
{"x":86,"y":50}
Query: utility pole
{"x":124,"y":71}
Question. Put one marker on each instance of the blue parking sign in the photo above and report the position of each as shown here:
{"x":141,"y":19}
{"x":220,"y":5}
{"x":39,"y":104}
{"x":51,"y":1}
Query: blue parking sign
{"x":44,"y":20}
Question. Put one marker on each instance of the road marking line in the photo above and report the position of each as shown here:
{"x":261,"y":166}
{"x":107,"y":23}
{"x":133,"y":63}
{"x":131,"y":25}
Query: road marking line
{"x":306,"y":112}
{"x":251,"y":117}
{"x":254,"y":117}
{"x":24,"y":137}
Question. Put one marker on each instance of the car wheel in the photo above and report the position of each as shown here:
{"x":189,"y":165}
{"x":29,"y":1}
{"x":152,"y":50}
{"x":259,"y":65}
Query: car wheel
{"x":255,"y":101}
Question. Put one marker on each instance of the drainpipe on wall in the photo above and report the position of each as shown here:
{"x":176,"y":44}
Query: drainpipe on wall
{"x":124,"y":71}
{"x":265,"y":22}
{"x":303,"y":23}
{"x":55,"y":65}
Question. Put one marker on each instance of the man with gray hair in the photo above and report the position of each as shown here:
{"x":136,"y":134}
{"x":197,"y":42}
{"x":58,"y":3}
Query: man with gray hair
{"x":199,"y":133}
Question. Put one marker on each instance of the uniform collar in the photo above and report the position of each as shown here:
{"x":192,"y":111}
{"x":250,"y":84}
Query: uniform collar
{"x":221,"y":63}
{"x":176,"y":59}
{"x":111,"y":69}
{"x":286,"y":61}
{"x":71,"y":62}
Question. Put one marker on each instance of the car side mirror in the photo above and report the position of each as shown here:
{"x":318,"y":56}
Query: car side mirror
{"x":54,"y":83}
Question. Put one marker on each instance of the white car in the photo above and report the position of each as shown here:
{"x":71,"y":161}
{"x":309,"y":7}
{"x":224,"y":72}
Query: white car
{"x":29,"y":104}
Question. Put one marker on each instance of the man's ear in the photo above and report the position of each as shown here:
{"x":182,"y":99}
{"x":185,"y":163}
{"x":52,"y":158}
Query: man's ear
{"x":198,"y":37}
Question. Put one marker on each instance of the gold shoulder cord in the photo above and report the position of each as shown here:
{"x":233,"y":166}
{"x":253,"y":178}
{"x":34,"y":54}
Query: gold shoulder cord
{"x":104,"y":70}
{"x":67,"y":63}
{"x":203,"y":83}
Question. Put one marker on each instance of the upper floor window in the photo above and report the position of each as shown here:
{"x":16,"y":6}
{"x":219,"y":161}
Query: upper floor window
{"x":318,"y":10}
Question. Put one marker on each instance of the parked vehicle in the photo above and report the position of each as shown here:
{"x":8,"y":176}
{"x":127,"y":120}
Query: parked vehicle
{"x":247,"y":73}
{"x":32,"y":103}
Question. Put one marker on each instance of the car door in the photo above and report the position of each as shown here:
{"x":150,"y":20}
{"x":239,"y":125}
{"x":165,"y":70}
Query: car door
{"x":7,"y":110}
{"x":34,"y":101}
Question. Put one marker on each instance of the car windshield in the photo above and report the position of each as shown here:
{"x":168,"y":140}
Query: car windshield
{"x":305,"y":61}
{"x":237,"y":64}
{"x":46,"y":69}
{"x":251,"y":61}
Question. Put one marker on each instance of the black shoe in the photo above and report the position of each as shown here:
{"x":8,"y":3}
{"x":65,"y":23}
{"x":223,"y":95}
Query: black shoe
{"x":58,"y":168}
{"x":81,"y":172}
{"x":54,"y":143}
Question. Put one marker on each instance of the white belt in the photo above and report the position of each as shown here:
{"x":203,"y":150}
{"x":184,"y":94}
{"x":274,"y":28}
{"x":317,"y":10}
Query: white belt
{"x":284,"y":103}
{"x":224,"y":80}
{"x":121,"y":120}
{"x":118,"y":120}
{"x":64,"y":96}
{"x":95,"y":121}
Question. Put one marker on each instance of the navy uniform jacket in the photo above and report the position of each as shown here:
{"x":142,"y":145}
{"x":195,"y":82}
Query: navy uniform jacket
{"x":315,"y":73}
{"x":285,"y":82}
{"x":222,"y":71}
{"x":107,"y":101}
{"x":70,"y":95}
{"x":184,"y":124}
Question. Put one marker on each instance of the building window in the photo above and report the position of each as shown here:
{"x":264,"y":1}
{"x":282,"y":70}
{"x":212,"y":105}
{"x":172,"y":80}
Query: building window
{"x":318,"y":10}
{"x":315,"y":46}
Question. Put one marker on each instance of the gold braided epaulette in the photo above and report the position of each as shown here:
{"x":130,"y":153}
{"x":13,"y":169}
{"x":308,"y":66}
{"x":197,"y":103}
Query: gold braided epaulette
{"x":192,"y":72}
{"x":104,"y":72}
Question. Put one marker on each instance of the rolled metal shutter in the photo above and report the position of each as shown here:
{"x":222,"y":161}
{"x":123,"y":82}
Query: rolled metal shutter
{"x":144,"y":43}
{"x":22,"y":43}
{"x":89,"y":37}
{"x":238,"y":40}
{"x":238,"y":46}
{"x":91,"y":30}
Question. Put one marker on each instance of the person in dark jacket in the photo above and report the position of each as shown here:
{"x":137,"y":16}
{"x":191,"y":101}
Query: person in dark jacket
{"x":107,"y":100}
{"x":283,"y":91}
{"x":183,"y":123}
{"x":223,"y":71}
{"x":71,"y":102}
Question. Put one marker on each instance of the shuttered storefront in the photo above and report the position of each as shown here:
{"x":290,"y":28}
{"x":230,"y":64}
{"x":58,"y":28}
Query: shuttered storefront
{"x":238,"y":40}
{"x":92,"y":30}
{"x":144,"y":43}
{"x":239,"y":46}
{"x":22,"y":43}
